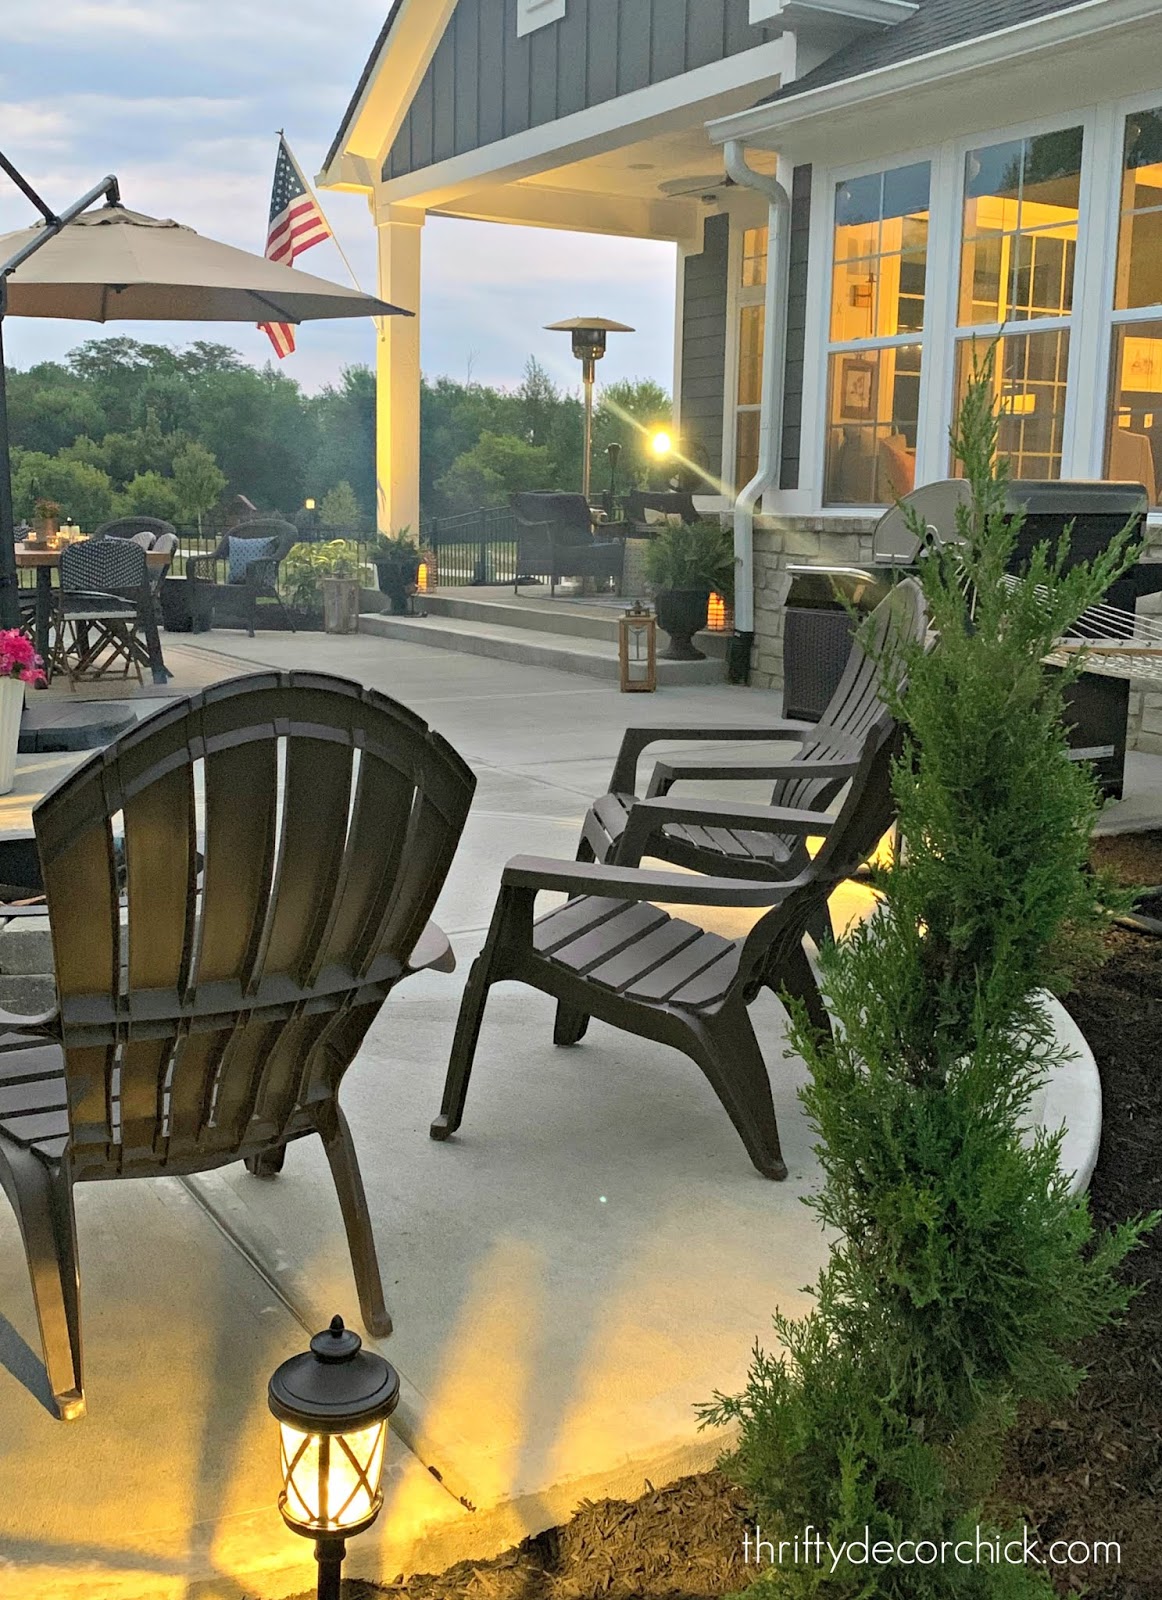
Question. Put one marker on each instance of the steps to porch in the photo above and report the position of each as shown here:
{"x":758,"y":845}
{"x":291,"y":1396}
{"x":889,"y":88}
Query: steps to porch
{"x":566,"y":634}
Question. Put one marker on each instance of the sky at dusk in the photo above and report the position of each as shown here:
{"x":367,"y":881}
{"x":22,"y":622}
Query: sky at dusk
{"x":181,"y":99}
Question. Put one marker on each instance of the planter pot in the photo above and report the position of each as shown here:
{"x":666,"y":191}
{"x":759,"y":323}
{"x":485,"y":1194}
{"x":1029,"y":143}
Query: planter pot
{"x":340,"y":605}
{"x":682,"y":614}
{"x":11,"y":707}
{"x":397,"y":580}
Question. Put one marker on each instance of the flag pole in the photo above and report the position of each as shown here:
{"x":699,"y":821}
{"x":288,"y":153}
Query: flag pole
{"x":378,"y":321}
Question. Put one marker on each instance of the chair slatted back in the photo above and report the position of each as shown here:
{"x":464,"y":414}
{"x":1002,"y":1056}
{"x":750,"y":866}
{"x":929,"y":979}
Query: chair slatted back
{"x":899,"y":619}
{"x":867,"y":812}
{"x":233,"y":889}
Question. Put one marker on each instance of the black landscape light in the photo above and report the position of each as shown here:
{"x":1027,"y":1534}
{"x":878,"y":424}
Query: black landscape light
{"x":332,"y":1404}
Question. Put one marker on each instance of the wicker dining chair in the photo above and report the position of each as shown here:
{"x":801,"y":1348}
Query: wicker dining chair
{"x":100,"y":611}
{"x":219,"y":960}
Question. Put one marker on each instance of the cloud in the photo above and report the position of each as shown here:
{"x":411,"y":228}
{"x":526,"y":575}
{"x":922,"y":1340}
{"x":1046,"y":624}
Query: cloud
{"x":181,"y":99}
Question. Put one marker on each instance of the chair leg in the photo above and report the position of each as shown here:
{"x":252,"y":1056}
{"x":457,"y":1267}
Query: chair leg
{"x":41,"y":1195}
{"x":819,"y":926}
{"x":357,"y":1220}
{"x":799,"y":980}
{"x":730,"y":1057}
{"x":464,"y":1047}
{"x":569,"y":1026}
{"x":267,"y":1165}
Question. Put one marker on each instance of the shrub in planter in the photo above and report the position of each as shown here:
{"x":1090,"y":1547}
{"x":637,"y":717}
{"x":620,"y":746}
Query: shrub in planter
{"x":963,"y":1272}
{"x":685,"y":564}
{"x":305,"y":567}
{"x":397,"y":563}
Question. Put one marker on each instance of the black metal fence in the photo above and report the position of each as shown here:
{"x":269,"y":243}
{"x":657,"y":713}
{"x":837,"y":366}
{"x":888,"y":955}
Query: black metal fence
{"x":476,"y":547}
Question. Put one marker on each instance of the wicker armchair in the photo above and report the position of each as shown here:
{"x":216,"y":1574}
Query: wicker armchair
{"x":555,"y":539}
{"x":236,"y":604}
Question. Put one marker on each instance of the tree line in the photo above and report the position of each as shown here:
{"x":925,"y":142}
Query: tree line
{"x":121,"y":427}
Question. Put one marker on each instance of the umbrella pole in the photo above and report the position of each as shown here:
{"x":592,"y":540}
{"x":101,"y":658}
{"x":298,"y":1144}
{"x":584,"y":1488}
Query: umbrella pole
{"x":9,"y":601}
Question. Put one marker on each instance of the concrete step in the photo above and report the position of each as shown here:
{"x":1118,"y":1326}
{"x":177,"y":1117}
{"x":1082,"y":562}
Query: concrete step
{"x":531,"y":646}
{"x":24,"y":950}
{"x":570,"y":618}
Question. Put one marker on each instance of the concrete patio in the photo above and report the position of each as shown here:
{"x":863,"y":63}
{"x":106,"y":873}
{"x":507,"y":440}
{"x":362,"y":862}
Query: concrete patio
{"x":590,"y":1257}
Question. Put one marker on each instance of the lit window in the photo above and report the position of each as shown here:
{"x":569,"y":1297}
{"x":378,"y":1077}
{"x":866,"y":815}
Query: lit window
{"x":1134,"y":435}
{"x":751,"y":326}
{"x":879,"y":280}
{"x":1017,"y":263}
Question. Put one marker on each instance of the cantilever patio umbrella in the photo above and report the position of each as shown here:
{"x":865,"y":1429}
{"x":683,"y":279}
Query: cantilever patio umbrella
{"x":113,"y":264}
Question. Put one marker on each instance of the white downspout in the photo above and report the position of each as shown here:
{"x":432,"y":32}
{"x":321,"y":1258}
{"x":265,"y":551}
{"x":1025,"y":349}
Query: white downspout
{"x":774,"y":358}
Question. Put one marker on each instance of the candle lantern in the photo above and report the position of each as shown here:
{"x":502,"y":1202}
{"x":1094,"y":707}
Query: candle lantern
{"x":637,"y":650}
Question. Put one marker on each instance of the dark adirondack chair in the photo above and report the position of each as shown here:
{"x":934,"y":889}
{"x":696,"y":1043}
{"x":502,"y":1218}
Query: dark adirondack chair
{"x":555,"y":540}
{"x":747,"y":841}
{"x":611,"y":954}
{"x":207,"y":1012}
{"x":236,"y":603}
{"x":669,"y":502}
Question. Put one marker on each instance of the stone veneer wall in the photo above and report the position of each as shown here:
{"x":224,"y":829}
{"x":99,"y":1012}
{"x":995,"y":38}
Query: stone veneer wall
{"x":846,"y":541}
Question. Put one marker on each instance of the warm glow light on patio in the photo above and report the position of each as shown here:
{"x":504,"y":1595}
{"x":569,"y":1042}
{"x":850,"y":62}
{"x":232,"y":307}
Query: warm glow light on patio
{"x":332,"y":1404}
{"x":716,"y":613}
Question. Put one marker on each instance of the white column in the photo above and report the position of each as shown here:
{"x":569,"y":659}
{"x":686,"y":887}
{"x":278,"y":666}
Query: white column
{"x":397,"y":429}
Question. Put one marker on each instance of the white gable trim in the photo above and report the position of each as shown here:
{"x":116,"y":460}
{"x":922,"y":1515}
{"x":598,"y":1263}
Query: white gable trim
{"x":404,"y":57}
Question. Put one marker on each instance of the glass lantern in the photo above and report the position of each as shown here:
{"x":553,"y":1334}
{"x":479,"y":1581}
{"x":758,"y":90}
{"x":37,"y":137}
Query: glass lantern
{"x":637,"y":648}
{"x":332,"y":1404}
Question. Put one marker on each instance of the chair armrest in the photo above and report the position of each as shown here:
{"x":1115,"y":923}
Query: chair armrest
{"x":262,"y":574}
{"x":669,"y":772}
{"x":194,"y":562}
{"x":432,"y":952}
{"x":630,"y":883}
{"x":647,"y":818}
{"x":46,"y":1026}
{"x":635,"y":740}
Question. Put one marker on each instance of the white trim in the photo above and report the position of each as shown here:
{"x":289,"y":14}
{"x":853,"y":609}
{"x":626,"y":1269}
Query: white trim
{"x":1005,"y":45}
{"x":534,"y":14}
{"x":675,"y":103}
{"x":865,"y":14}
{"x":374,"y":121}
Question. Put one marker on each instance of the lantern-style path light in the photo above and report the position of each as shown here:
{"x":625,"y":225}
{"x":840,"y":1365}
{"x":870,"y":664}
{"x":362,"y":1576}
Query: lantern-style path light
{"x":588,"y":346}
{"x":332,"y":1404}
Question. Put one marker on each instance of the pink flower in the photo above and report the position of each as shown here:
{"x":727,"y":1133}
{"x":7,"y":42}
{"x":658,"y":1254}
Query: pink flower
{"x":18,"y":657}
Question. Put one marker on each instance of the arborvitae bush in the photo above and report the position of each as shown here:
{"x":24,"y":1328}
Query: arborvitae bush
{"x":964,"y":1273}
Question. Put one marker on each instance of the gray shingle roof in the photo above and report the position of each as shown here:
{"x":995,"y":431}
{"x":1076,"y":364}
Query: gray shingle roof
{"x":935,"y":26}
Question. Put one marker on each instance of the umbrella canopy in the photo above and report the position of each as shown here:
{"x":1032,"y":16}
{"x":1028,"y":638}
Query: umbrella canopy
{"x":113,"y":264}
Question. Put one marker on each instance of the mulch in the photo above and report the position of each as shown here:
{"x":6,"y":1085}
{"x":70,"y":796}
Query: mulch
{"x":1091,"y":1470}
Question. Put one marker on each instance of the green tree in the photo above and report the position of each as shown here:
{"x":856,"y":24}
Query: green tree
{"x":197,"y":481}
{"x":495,"y":467}
{"x":962,"y":1271}
{"x":340,"y":508}
{"x":344,"y":419}
{"x":82,"y":491}
{"x":150,"y":495}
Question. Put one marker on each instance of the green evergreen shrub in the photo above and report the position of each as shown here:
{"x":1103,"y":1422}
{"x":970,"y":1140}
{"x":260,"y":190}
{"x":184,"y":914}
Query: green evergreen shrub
{"x":963,"y":1272}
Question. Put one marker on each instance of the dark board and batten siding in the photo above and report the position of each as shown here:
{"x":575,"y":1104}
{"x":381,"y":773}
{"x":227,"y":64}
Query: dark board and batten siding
{"x":704,"y":282}
{"x":796,"y":326}
{"x":485,"y":84}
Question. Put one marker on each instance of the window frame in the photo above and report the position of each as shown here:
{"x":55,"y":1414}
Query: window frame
{"x":742,"y":219}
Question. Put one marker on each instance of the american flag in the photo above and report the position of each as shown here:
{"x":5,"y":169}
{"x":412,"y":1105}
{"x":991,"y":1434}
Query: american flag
{"x":296,"y":223}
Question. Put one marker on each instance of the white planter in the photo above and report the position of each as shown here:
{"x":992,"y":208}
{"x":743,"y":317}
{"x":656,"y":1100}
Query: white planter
{"x":11,"y":706}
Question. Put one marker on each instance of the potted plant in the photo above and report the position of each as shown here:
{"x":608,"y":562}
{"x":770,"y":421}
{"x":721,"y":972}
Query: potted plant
{"x":685,"y":565}
{"x":19,"y":664}
{"x":46,"y":520}
{"x":397,"y":563}
{"x":321,"y":580}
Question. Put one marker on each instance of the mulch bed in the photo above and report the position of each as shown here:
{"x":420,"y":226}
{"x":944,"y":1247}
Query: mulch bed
{"x":1091,"y":1470}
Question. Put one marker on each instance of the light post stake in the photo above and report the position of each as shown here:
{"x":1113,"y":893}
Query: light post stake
{"x":588,"y":346}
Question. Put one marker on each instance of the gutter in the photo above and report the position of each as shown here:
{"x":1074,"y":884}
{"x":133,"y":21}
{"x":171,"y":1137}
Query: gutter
{"x":771,"y":430}
{"x":1086,"y":21}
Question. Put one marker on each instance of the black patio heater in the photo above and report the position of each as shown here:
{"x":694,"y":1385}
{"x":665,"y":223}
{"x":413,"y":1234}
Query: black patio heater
{"x":109,"y":191}
{"x":588,"y":346}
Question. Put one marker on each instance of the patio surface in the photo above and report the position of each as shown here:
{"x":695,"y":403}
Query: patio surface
{"x":590,"y":1257}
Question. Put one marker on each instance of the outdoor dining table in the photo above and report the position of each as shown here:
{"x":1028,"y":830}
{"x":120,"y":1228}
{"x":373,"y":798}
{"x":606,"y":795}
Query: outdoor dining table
{"x":45,"y":560}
